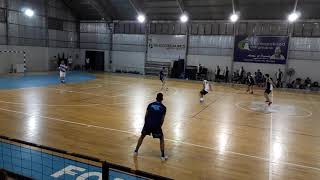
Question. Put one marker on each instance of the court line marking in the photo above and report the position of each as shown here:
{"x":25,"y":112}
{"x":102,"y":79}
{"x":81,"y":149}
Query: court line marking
{"x":270,"y":145}
{"x":176,"y":141}
{"x":54,"y":105}
{"x":93,"y":94}
{"x":309,"y":113}
{"x":206,"y":107}
{"x":93,"y":87}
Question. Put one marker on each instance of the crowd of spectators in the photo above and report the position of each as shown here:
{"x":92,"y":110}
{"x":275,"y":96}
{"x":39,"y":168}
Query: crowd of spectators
{"x":240,"y":76}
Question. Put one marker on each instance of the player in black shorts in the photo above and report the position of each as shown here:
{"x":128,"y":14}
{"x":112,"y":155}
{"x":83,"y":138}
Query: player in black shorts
{"x":250,"y":82}
{"x":269,"y":88}
{"x":154,"y":119}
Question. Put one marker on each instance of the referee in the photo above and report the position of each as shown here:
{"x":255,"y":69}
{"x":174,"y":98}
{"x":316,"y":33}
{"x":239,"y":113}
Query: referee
{"x":154,"y":119}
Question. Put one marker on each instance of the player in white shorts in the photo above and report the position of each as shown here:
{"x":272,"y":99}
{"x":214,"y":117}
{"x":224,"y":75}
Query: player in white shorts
{"x":63,"y":70}
{"x":162,"y":76}
{"x":206,"y":88}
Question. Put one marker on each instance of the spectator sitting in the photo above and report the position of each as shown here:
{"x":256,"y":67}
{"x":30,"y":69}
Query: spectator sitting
{"x":315,"y":84}
{"x":307,"y":82}
{"x":235,"y":77}
{"x":298,"y":83}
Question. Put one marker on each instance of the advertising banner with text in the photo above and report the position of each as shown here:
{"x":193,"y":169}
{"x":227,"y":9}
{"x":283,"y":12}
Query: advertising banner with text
{"x":261,"y":49}
{"x":166,"y":48}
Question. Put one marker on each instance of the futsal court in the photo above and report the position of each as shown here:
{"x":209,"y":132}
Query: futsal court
{"x":232,"y":135}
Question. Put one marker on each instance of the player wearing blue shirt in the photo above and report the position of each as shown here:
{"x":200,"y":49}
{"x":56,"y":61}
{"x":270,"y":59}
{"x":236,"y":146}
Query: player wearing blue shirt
{"x":154,"y":119}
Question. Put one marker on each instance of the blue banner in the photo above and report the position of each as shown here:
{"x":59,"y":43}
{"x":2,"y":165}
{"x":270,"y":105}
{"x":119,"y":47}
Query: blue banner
{"x":261,"y":49}
{"x":40,"y":165}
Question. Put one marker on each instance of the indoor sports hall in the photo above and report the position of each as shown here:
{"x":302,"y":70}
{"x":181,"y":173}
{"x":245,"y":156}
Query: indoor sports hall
{"x":226,"y":89}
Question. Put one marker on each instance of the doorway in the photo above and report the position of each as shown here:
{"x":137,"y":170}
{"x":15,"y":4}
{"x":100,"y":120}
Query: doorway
{"x":96,"y":60}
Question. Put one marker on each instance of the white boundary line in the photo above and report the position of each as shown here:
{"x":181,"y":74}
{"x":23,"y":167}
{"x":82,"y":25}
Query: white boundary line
{"x":239,"y":106}
{"x":270,"y":146}
{"x":54,"y":105}
{"x":180,"y":142}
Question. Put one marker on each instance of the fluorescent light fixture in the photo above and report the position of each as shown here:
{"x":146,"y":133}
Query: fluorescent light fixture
{"x":184,"y":18}
{"x":293,"y":16}
{"x":29,"y":12}
{"x":141,"y":18}
{"x":234,"y":17}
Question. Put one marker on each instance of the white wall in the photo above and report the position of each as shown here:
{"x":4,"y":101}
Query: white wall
{"x":73,"y":52}
{"x":306,"y":68}
{"x":36,"y":58}
{"x":210,"y":62}
{"x":160,"y":51}
{"x":133,"y":61}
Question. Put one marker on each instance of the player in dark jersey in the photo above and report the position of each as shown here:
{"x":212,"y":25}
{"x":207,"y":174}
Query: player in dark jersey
{"x":269,"y":88}
{"x":162,"y":76}
{"x":250,"y":82}
{"x":154,"y":119}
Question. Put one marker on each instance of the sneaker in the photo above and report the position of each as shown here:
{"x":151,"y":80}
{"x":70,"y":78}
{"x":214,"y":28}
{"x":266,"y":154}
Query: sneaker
{"x":201,"y":99}
{"x":269,"y":103}
{"x":164,"y":158}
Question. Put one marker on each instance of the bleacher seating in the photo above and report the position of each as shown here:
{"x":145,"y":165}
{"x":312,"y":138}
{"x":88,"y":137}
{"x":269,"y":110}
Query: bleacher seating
{"x":154,"y":67}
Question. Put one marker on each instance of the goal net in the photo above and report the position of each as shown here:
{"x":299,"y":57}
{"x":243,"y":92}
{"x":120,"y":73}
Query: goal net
{"x":12,"y":61}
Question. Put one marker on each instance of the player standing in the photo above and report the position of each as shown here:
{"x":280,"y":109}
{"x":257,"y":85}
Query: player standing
{"x":250,"y":82}
{"x":162,"y":76}
{"x":154,"y":119}
{"x":269,"y":88}
{"x":63,"y":69}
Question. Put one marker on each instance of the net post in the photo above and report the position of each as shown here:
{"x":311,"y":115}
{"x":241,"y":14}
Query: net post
{"x":105,"y":170}
{"x":24,"y":63}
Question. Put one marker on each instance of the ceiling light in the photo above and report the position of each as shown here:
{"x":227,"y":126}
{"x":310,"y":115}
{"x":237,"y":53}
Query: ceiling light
{"x":141,"y":18}
{"x":293,"y":16}
{"x":184,"y":18}
{"x":29,"y":12}
{"x":234,"y":17}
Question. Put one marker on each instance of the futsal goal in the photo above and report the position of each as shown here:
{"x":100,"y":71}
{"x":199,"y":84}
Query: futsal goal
{"x":12,"y":61}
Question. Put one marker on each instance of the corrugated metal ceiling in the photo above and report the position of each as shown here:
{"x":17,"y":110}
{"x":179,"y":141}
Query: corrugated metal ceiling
{"x":197,"y":9}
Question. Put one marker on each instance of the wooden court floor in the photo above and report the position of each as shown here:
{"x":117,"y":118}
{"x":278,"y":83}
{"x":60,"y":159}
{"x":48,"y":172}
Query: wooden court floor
{"x":232,"y":135}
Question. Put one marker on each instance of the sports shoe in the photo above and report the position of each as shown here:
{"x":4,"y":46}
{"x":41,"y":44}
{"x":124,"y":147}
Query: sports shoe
{"x":201,"y":99}
{"x":269,"y":103}
{"x":164,"y":158}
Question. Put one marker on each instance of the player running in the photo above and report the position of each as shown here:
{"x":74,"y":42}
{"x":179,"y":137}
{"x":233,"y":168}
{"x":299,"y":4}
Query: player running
{"x":206,"y":88}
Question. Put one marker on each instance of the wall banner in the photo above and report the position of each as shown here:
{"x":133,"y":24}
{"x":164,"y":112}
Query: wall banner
{"x":261,"y":49}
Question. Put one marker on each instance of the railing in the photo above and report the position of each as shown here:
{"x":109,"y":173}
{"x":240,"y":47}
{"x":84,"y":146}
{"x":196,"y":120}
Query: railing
{"x":42,"y":162}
